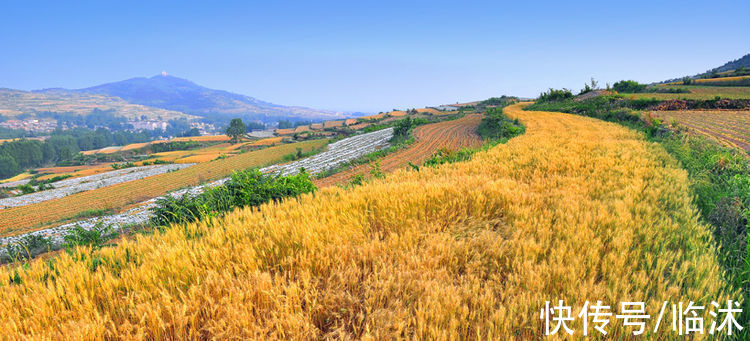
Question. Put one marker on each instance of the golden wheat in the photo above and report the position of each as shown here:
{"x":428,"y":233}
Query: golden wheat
{"x":575,"y":209}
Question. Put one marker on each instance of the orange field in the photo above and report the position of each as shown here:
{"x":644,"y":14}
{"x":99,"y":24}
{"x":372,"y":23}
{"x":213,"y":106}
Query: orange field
{"x":212,"y":152}
{"x":205,"y":138}
{"x":138,"y":145}
{"x":267,"y":142}
{"x":333,"y":124}
{"x":284,"y":131}
{"x":429,"y":111}
{"x":359,"y":126}
{"x":199,"y":158}
{"x":301,"y":129}
{"x":397,"y":113}
{"x":67,"y":169}
{"x":75,"y":171}
{"x":373,"y":117}
{"x":24,"y":218}
{"x":721,"y":79}
{"x":454,"y":134}
{"x":731,"y":128}
{"x":18,"y":177}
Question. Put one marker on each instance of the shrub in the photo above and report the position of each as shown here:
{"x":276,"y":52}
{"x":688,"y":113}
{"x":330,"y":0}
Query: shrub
{"x":173,"y":146}
{"x":445,"y":155}
{"x":122,"y":165}
{"x":496,"y":126}
{"x":79,"y":236}
{"x":553,"y":95}
{"x":628,"y":86}
{"x":244,"y":188}
{"x":402,"y":128}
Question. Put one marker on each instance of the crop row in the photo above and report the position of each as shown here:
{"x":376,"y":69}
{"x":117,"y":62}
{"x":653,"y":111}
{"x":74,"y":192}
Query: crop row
{"x":729,"y":127}
{"x":336,"y":153}
{"x":20,"y":219}
{"x":575,"y":209}
{"x":453,"y":134}
{"x":86,"y":183}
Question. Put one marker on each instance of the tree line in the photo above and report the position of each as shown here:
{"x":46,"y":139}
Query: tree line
{"x":18,"y":156}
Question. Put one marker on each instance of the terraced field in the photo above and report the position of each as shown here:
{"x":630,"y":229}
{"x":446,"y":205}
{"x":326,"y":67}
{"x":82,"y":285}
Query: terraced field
{"x":25,"y":218}
{"x":67,"y":187}
{"x":336,"y":153}
{"x":575,"y":209}
{"x":730,"y":81}
{"x":732,"y":128}
{"x":699,"y":92}
{"x":454,"y":134}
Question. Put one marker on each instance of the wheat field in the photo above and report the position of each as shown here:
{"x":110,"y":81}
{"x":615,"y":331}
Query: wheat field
{"x":574,"y":209}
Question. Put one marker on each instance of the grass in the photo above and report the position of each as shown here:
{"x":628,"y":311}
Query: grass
{"x":575,"y":209}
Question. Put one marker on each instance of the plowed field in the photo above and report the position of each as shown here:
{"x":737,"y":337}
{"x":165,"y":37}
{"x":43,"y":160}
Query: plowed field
{"x":453,"y":134}
{"x":731,"y":128}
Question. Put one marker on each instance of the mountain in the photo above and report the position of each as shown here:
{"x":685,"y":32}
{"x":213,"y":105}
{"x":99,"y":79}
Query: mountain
{"x":173,"y":93}
{"x":19,"y":103}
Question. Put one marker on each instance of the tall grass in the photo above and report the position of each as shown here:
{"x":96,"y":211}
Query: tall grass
{"x":574,"y":209}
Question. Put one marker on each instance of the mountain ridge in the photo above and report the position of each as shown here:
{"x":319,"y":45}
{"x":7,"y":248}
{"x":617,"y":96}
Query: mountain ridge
{"x":179,"y":94}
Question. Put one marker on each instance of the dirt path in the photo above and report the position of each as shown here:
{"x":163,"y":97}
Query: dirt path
{"x":454,"y":134}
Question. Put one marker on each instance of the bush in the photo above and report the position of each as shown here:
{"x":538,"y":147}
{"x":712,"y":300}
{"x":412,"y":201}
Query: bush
{"x":173,"y":146}
{"x":445,"y":155}
{"x":26,"y":188}
{"x":122,"y":165}
{"x":244,"y":188}
{"x":496,"y":126}
{"x":628,"y":86}
{"x":79,"y":236}
{"x":554,"y":95}
{"x":402,"y":129}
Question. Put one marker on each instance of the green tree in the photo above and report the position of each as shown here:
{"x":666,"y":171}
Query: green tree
{"x":285,"y":124}
{"x":236,"y":129}
{"x":8,"y":166}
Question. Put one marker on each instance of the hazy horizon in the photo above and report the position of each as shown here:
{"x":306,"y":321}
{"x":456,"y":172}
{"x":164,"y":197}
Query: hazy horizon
{"x":367,"y":57}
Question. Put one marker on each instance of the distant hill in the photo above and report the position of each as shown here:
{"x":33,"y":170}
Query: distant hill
{"x":727,"y":67}
{"x":14,"y":103}
{"x":173,"y":93}
{"x":733,"y":65}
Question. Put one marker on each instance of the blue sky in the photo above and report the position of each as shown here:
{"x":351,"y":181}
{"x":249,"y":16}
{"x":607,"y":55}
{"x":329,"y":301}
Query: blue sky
{"x":367,"y":56}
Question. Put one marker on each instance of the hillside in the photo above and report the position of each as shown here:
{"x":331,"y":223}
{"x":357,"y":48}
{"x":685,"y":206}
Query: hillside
{"x":17,"y":102}
{"x":576,"y":209}
{"x":173,"y":93}
{"x":733,"y":65}
{"x":721,"y":71}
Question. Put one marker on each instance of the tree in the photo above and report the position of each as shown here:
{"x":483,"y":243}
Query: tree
{"x":628,"y":86}
{"x":236,"y":129}
{"x":8,"y":166}
{"x":401,"y":130}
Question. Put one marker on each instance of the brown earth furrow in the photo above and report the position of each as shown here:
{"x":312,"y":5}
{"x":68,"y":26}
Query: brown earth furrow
{"x":454,"y":134}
